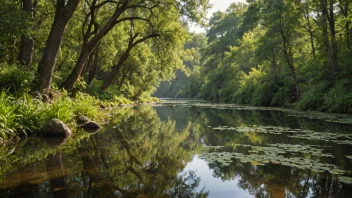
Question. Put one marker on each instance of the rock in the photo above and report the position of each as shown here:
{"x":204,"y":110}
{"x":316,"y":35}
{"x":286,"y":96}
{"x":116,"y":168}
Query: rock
{"x":82,"y":119}
{"x":56,"y":128}
{"x":90,"y":125}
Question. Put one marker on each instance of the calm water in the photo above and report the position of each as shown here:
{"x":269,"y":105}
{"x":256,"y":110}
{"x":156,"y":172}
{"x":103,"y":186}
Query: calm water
{"x":186,"y":151}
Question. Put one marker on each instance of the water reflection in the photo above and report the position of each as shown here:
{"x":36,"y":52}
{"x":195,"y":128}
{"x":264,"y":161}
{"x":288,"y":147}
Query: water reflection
{"x":154,"y":152}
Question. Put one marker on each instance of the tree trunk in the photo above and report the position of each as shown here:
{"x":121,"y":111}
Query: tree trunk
{"x":93,"y":70}
{"x":46,"y":67}
{"x":289,"y":59}
{"x":115,"y":70}
{"x":27,"y":42}
{"x":310,"y":30}
{"x":124,"y":75}
{"x":324,"y":16}
{"x":88,"y":47}
{"x":334,"y":49}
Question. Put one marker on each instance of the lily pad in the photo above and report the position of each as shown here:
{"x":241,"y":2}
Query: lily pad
{"x":255,"y":163}
{"x":346,"y":180}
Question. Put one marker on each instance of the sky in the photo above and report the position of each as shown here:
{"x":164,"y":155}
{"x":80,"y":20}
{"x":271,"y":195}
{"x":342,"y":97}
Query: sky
{"x":217,"y":5}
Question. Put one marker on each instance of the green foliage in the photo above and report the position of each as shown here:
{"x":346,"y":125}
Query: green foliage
{"x":61,"y":109}
{"x":273,"y":53}
{"x":18,"y":117}
{"x":65,"y":108}
{"x":85,"y":105}
{"x":29,"y":113}
{"x":121,"y":100}
{"x":186,"y":186}
{"x":8,"y":125}
{"x":14,"y":79}
{"x":11,"y":22}
{"x":24,"y":115}
{"x":313,"y":99}
{"x":339,"y":98}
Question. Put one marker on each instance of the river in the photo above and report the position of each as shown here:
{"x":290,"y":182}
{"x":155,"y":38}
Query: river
{"x":187,"y":149}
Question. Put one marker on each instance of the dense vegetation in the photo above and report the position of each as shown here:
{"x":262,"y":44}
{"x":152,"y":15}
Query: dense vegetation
{"x":53,"y":51}
{"x":272,"y":53}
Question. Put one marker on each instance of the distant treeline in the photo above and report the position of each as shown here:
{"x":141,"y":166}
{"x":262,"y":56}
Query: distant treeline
{"x":272,"y":53}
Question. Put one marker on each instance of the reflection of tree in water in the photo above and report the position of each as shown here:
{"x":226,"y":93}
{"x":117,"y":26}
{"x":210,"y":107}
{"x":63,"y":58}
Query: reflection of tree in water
{"x":270,"y":180}
{"x":141,"y":154}
{"x":280,"y":181}
{"x":144,"y":154}
{"x":138,"y":155}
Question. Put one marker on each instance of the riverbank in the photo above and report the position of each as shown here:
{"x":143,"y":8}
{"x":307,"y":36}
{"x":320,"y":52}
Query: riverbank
{"x":25,"y":116}
{"x":22,"y":116}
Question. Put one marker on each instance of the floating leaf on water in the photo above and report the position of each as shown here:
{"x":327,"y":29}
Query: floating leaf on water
{"x":317,"y":170}
{"x":275,"y":162}
{"x":346,"y":180}
{"x":334,"y":172}
{"x":255,"y":163}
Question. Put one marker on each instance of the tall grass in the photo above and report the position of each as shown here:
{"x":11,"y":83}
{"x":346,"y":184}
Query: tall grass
{"x":29,"y":113}
{"x":61,"y":109}
{"x":8,"y":124}
{"x":86,"y":105}
{"x":24,"y":115}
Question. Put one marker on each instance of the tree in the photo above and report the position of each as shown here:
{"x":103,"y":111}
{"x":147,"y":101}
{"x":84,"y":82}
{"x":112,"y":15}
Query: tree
{"x":126,"y":11}
{"x":63,"y":13}
{"x":27,"y":42}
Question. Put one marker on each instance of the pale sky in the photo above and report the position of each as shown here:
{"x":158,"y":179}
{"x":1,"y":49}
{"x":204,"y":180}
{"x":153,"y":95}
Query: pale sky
{"x":217,"y":5}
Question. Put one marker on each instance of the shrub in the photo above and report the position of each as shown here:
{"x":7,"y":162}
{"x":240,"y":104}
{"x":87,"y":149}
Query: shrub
{"x":62,"y":109}
{"x":313,"y":99}
{"x":15,"y":80}
{"x":339,"y":98}
{"x":121,"y":100}
{"x":85,"y":105}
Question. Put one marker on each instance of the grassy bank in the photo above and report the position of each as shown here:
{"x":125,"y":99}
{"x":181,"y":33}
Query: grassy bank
{"x":23,"y":115}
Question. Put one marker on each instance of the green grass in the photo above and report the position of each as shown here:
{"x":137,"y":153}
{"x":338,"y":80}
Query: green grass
{"x":8,"y":124}
{"x":22,"y":116}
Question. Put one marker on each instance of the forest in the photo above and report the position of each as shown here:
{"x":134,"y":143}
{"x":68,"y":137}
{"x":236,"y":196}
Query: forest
{"x":166,"y":98}
{"x":293,"y":54}
{"x":61,"y":59}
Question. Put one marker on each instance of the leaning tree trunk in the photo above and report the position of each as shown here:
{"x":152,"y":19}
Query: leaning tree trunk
{"x":89,"y":45}
{"x":27,"y":42}
{"x":46,"y":67}
{"x":115,"y":69}
{"x":95,"y":65}
{"x":289,"y":59}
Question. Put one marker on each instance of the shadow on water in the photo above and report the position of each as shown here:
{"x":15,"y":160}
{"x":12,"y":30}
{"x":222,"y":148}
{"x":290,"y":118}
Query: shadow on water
{"x":146,"y":151}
